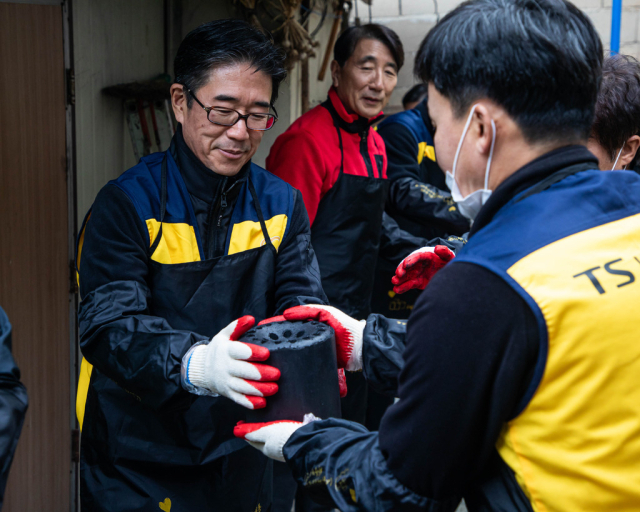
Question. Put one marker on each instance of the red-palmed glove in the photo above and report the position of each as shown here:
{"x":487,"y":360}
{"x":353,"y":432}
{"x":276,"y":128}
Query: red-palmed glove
{"x":222,"y":367}
{"x":417,"y":269}
{"x":270,"y":437}
{"x":348,"y":331}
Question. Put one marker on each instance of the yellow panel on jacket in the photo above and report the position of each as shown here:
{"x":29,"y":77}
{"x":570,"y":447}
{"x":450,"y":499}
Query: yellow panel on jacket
{"x":576,"y":446}
{"x":83,"y":388}
{"x":177,"y":245}
{"x":248,"y":234}
{"x":425,"y":150}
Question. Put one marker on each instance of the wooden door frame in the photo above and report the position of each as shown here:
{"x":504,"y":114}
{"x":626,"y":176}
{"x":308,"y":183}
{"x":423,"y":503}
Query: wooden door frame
{"x":72,"y":225}
{"x":74,"y":351}
{"x":72,"y":229}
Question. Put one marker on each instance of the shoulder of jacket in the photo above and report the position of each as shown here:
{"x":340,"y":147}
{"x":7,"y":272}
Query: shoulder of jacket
{"x":266,"y":181}
{"x":141,"y":184}
{"x":143,"y":170}
{"x":408,"y":119}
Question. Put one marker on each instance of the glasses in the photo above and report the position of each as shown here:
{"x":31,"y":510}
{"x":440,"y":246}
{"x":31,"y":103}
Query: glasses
{"x":223,"y":116}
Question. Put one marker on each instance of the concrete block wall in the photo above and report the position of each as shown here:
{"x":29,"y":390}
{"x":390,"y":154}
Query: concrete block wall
{"x":115,"y":41}
{"x":412,"y":19}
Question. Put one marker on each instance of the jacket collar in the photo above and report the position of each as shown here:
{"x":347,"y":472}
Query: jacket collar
{"x":527,"y":176}
{"x":201,"y":181}
{"x":351,"y":123}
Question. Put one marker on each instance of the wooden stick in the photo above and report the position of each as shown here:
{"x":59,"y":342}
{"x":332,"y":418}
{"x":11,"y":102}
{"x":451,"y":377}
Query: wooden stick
{"x":332,"y":40}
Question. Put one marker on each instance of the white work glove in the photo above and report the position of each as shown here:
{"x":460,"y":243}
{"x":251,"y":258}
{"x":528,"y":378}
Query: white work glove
{"x":222,"y":367}
{"x":270,"y":437}
{"x":348,"y":331}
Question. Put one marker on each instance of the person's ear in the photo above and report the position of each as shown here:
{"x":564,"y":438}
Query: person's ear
{"x":178,"y":102}
{"x":629,"y":150}
{"x":335,"y":73}
{"x":482,"y":129}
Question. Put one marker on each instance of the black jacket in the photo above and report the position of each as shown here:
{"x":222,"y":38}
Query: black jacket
{"x":13,"y":403}
{"x":419,"y":199}
{"x":116,"y":249}
{"x":468,"y":361}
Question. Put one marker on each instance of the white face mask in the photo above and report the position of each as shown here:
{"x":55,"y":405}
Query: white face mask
{"x":470,"y":205}
{"x":618,"y":158}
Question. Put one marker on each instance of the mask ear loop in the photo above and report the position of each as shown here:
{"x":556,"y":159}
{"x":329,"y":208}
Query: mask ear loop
{"x":493,"y":143}
{"x":617,"y":158}
{"x":464,"y":133}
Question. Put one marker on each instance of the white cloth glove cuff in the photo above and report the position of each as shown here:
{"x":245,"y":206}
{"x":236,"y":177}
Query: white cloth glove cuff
{"x":195,"y":368}
{"x":356,"y":328}
{"x":192,"y":371}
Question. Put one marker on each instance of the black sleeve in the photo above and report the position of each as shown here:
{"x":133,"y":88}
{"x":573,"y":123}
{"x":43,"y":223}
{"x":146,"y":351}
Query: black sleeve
{"x":139,"y":351}
{"x":383,"y":343}
{"x":409,"y":195}
{"x":396,"y":244}
{"x":339,"y":463}
{"x":13,"y":403}
{"x":297,"y":272}
{"x":472,"y":346}
{"x":426,"y":204}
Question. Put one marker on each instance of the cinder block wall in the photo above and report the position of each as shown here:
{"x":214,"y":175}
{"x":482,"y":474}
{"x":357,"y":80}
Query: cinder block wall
{"x":412,"y":19}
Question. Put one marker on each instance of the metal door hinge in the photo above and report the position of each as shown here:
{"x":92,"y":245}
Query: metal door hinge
{"x":71,"y":87}
{"x":73,"y":277}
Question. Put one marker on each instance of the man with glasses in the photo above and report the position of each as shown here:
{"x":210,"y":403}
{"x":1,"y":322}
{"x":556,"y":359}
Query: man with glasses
{"x":177,"y":258}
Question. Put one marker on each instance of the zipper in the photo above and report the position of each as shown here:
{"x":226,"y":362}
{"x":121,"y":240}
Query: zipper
{"x":364,"y":151}
{"x":215,"y":210}
{"x":223,"y":205}
{"x":223,"y":201}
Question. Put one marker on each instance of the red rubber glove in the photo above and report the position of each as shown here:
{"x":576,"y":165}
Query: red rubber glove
{"x":417,"y":269}
{"x":221,"y":367}
{"x":348,"y":332}
{"x":342,"y":379}
{"x":278,"y":318}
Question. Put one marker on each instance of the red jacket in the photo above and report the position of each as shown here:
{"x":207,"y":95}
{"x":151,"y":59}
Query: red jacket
{"x":307,"y":155}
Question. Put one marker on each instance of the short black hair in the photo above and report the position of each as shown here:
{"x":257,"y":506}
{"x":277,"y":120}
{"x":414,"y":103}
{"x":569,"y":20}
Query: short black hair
{"x":617,"y":114}
{"x":224,"y":42}
{"x":349,"y":39}
{"x":541,"y":60}
{"x":417,"y":93}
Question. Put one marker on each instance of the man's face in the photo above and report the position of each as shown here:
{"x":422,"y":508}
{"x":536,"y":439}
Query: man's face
{"x":224,"y":149}
{"x":470,"y":169}
{"x":366,"y":81}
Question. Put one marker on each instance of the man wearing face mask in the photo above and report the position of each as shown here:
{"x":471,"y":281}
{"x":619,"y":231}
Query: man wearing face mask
{"x":177,"y":259}
{"x":519,"y":390}
{"x":615,"y":134}
{"x":339,"y":164}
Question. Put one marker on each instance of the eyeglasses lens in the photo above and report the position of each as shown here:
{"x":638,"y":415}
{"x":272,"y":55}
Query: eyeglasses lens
{"x":226,"y":117}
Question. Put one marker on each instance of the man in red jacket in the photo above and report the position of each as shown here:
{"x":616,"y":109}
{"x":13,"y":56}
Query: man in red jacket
{"x":339,"y":164}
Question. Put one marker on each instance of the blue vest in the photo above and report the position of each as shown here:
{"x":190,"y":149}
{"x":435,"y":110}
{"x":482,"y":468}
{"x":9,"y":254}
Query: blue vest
{"x":573,"y":253}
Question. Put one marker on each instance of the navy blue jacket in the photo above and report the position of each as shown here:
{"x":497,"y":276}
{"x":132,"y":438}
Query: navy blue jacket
{"x":116,"y":249}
